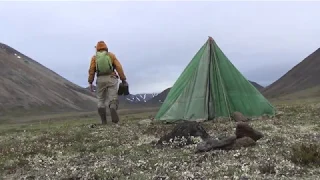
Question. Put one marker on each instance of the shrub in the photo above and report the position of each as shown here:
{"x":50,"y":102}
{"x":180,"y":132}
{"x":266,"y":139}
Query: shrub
{"x":305,"y":154}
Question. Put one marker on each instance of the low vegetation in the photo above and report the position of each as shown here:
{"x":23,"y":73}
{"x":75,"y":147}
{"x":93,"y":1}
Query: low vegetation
{"x":75,"y":149}
{"x":306,"y":154}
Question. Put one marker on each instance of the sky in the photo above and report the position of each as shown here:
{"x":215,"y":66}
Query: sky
{"x":154,"y":41}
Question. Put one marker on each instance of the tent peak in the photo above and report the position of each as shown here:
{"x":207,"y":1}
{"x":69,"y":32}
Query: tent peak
{"x":210,"y":39}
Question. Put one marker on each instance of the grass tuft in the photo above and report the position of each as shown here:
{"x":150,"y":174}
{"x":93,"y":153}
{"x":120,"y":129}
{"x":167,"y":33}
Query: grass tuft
{"x":305,"y":154}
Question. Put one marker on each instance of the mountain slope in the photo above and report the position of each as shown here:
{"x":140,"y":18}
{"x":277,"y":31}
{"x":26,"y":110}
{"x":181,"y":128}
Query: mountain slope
{"x":28,"y":85}
{"x":303,"y":76}
{"x":162,"y":96}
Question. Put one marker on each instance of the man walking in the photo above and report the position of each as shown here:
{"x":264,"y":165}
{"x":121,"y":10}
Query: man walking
{"x":104,"y":63}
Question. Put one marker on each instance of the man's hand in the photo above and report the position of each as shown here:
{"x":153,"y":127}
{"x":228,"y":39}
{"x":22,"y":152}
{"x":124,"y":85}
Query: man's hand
{"x":91,"y":87}
{"x":124,"y":82}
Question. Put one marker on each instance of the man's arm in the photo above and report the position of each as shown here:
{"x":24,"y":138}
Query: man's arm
{"x":117,"y":65}
{"x":92,"y":70}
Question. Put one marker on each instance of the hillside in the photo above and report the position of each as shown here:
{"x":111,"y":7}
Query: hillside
{"x":162,"y":96}
{"x":303,"y":76}
{"x":28,"y":85}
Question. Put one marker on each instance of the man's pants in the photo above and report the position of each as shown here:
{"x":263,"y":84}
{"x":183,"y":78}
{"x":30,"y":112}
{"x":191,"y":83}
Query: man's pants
{"x":107,"y":89}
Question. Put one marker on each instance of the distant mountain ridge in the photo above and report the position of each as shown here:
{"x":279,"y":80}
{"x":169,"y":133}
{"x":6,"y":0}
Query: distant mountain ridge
{"x":256,"y":85}
{"x":134,"y":98}
{"x":152,"y":98}
{"x":162,"y":96}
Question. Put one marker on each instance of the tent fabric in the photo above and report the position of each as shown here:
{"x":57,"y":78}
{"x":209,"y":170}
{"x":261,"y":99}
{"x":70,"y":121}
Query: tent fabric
{"x":210,"y":87}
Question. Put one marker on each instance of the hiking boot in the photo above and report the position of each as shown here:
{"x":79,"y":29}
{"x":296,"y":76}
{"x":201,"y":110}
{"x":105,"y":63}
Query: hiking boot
{"x":114,"y":115}
{"x":103,"y":115}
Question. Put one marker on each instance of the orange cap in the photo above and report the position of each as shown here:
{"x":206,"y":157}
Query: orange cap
{"x":101,"y":45}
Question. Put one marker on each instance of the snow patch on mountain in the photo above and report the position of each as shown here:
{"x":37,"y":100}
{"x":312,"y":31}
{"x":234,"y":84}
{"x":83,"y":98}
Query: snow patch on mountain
{"x":17,"y":56}
{"x":138,"y":98}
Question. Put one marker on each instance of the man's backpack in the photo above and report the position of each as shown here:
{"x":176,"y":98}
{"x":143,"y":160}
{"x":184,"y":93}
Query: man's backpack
{"x":103,"y":63}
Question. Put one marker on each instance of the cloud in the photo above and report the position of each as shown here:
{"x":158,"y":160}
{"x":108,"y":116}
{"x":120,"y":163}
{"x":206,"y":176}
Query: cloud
{"x":154,"y":41}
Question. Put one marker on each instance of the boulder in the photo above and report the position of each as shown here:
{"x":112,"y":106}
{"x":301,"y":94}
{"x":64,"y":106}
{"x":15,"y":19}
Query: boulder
{"x":185,"y":129}
{"x":243,"y":142}
{"x":214,"y":144}
{"x":239,"y":117}
{"x":245,"y":130}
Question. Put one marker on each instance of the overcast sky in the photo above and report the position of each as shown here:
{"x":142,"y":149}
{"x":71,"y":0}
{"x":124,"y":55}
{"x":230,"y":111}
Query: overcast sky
{"x":155,"y":41}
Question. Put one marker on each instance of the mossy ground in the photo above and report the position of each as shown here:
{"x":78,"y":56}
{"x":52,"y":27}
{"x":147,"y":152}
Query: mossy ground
{"x":72,"y":150}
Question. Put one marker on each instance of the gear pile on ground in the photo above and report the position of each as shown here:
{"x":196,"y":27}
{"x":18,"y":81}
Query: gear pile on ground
{"x":185,"y":129}
{"x":245,"y":135}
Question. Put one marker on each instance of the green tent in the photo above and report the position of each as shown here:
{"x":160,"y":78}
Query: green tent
{"x":210,"y":87}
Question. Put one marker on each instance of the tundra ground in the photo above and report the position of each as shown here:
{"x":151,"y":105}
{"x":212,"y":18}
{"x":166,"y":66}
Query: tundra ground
{"x":73,"y":149}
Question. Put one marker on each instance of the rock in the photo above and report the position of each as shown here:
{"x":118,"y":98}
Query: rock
{"x":185,"y":129}
{"x":243,"y":142}
{"x":213,"y":144}
{"x":145,"y":122}
{"x":243,"y":178}
{"x":205,"y":146}
{"x":244,"y":130}
{"x":221,"y":136}
{"x":30,"y":177}
{"x":239,"y":117}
